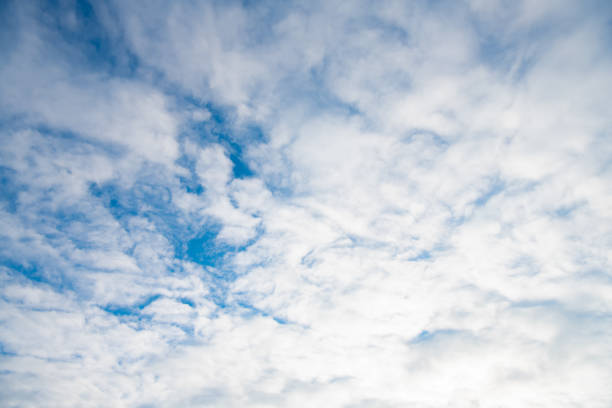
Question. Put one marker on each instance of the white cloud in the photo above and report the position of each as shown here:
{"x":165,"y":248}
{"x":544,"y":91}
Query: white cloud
{"x":427,"y":221}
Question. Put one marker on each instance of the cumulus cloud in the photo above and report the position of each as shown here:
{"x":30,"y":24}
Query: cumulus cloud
{"x":362,"y":204}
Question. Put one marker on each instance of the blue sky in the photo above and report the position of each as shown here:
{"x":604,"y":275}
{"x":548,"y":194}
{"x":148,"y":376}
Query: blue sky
{"x":289,"y":204}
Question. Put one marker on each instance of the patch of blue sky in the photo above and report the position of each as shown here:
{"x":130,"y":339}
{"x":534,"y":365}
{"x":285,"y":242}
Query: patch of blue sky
{"x":505,"y":51}
{"x":192,"y":185}
{"x":193,"y":242}
{"x":567,"y":211}
{"x":219,"y":277}
{"x":218,"y":295}
{"x":315,"y":94}
{"x":426,"y":336}
{"x":9,"y":189}
{"x":431,"y":136}
{"x":600,"y":275}
{"x":495,"y":52}
{"x":141,"y":321}
{"x":536,"y":303}
{"x":499,"y":51}
{"x":248,"y":310}
{"x":240,"y":169}
{"x":88,"y":44}
{"x":119,"y":204}
{"x":310,"y":260}
{"x":147,"y":199}
{"x":187,"y":301}
{"x":207,"y":251}
{"x":279,"y":184}
{"x":204,"y":248}
{"x":66,"y":141}
{"x":131,"y":310}
{"x":525,"y":264}
{"x":22,"y":269}
{"x":38,"y":272}
{"x":205,"y":397}
{"x":191,"y":182}
{"x":358,"y":241}
{"x":421,"y":256}
{"x":10,"y":24}
{"x":83,"y":30}
{"x":391,"y":33}
{"x":495,"y":187}
{"x":4,"y":351}
{"x":220,"y":129}
{"x":64,"y":226}
{"x":55,"y":225}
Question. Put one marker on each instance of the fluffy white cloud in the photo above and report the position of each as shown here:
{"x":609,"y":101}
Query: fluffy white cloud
{"x":425,"y":220}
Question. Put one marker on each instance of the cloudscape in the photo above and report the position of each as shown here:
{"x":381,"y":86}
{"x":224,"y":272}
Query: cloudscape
{"x":306,"y":203}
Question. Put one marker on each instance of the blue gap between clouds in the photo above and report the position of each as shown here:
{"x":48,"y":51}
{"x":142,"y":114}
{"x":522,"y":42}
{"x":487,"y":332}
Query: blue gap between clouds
{"x":496,"y":187}
{"x":218,"y":129}
{"x":90,"y":43}
{"x":33,"y":271}
{"x":154,"y":203}
{"x":201,"y":246}
{"x":93,"y":47}
{"x":131,"y":310}
{"x":135,"y":310}
{"x":9,"y":188}
{"x":124,"y":204}
{"x":422,"y":256}
{"x":253,"y":311}
{"x":426,"y":336}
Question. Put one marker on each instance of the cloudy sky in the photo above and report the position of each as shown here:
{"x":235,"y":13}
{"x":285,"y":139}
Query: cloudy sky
{"x":306,"y":204}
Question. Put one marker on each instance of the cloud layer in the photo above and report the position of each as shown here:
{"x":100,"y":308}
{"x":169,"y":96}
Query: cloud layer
{"x":289,"y":204}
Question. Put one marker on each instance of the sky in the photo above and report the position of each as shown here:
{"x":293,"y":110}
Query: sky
{"x":353,"y":204}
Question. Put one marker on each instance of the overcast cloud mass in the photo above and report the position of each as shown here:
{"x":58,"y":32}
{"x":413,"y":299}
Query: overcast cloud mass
{"x":306,"y":204}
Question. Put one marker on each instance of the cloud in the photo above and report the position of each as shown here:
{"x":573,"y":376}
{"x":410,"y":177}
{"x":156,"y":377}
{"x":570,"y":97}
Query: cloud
{"x":261,"y":204}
